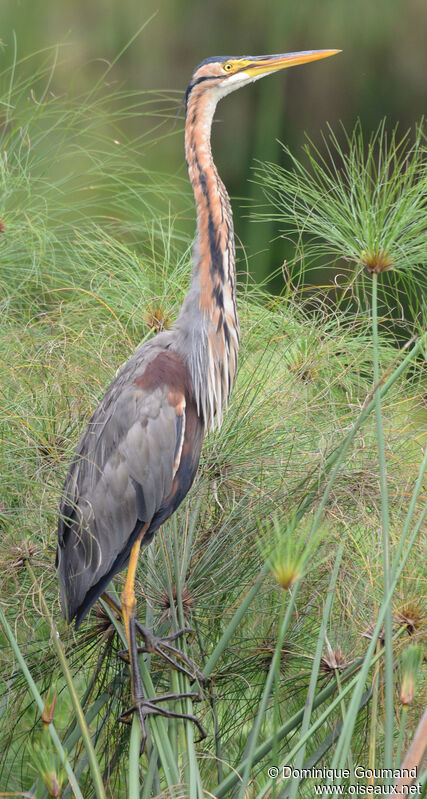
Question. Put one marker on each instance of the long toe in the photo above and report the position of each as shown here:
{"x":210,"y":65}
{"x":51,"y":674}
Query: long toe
{"x":163,"y":647}
{"x":195,"y":673}
{"x":178,"y":666}
{"x":168,"y":697}
{"x":150,"y":707}
{"x":188,"y":631}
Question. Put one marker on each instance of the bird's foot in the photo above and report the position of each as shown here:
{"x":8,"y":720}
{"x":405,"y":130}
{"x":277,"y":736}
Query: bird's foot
{"x":149,"y":707}
{"x":163,"y":647}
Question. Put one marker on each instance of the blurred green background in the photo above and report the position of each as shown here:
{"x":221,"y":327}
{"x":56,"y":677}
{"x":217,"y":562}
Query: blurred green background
{"x":381,"y":72}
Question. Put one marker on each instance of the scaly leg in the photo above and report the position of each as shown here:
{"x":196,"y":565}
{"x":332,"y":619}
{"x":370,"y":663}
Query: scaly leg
{"x":163,"y":647}
{"x":141,"y":705}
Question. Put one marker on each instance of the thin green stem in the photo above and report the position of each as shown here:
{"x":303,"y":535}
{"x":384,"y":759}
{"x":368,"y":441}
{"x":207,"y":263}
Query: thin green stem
{"x":316,"y":665}
{"x":333,"y":462}
{"x":90,"y":751}
{"x":316,"y":724}
{"x":343,"y":712}
{"x":347,"y":731}
{"x":149,"y":776}
{"x":266,"y":694}
{"x":421,"y":785}
{"x":291,"y":724}
{"x":336,"y":458}
{"x":195,"y":782}
{"x":324,"y":747}
{"x":398,"y":759}
{"x":158,"y":725}
{"x":40,"y":704}
{"x":133,"y":766}
{"x":234,"y":623}
{"x":417,"y":488}
{"x":374,"y":714}
{"x":385,"y":525}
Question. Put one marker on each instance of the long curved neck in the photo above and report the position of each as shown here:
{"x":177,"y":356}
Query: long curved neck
{"x":208,"y":325}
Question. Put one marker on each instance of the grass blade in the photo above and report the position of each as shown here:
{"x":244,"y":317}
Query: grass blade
{"x":316,"y":664}
{"x":40,"y":704}
{"x":90,"y":751}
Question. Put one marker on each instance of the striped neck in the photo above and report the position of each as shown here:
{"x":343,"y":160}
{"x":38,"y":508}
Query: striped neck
{"x":208,"y":325}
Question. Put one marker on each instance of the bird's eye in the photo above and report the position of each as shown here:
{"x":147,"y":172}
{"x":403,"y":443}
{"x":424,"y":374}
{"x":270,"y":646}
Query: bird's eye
{"x":228,"y":67}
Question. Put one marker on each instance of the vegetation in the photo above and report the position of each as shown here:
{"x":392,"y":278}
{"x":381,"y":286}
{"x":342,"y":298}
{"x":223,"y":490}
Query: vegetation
{"x":297,"y":558}
{"x":380,"y":73}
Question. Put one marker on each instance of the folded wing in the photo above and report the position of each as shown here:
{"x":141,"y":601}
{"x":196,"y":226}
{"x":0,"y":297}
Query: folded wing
{"x":125,"y":475}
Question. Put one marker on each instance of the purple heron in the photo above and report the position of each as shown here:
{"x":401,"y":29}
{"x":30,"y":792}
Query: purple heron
{"x":139,"y":453}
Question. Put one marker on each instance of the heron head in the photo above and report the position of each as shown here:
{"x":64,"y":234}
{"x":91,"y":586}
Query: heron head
{"x":220,"y":75}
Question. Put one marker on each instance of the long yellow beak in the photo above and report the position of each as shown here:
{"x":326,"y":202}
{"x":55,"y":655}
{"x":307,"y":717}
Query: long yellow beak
{"x":272,"y":63}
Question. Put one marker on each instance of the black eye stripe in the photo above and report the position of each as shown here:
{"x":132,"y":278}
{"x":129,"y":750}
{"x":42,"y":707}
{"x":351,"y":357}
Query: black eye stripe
{"x":201,"y":79}
{"x":191,"y":86}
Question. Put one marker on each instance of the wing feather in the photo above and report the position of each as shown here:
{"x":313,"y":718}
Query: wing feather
{"x":122,"y":474}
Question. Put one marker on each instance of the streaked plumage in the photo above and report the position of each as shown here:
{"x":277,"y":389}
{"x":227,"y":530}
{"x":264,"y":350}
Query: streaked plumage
{"x":138,"y":456}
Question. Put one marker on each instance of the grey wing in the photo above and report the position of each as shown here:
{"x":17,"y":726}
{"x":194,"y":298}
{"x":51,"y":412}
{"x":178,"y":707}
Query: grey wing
{"x":122,"y":473}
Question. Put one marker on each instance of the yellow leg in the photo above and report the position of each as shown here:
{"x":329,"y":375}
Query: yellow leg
{"x":129,"y":603}
{"x":162,"y":646}
{"x":141,"y":705}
